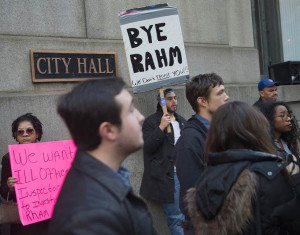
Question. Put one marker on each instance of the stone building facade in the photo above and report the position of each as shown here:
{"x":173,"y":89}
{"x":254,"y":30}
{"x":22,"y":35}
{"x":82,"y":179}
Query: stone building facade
{"x":218,"y":36}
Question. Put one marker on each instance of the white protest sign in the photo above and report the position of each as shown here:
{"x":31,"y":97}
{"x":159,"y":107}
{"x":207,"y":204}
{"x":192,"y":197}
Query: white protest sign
{"x":154,"y":48}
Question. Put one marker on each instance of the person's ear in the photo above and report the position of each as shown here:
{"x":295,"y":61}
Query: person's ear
{"x":262,"y":93}
{"x":108,"y":131}
{"x":202,"y":101}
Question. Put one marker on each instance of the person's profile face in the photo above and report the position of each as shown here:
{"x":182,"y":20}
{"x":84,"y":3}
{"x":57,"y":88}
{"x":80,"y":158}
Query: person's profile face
{"x":217,"y":97}
{"x":130,"y":137}
{"x":26,"y":133}
{"x":269,"y":93}
{"x":171,"y":102}
{"x":282,"y":119}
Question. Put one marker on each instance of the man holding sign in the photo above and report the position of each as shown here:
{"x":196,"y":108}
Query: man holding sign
{"x":160,"y":182}
{"x":96,"y":197}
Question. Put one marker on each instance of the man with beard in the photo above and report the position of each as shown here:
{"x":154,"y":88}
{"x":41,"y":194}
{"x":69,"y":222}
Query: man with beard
{"x":96,"y":197}
{"x":267,"y":89}
{"x":160,"y":182}
{"x":205,"y":93}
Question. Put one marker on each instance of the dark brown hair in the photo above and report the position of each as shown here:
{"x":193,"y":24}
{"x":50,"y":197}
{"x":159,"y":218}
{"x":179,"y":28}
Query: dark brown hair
{"x":236,"y":125}
{"x":200,"y":86}
{"x":87,"y":106}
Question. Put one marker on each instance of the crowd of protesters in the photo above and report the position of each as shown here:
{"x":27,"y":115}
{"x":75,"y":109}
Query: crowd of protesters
{"x":229,"y":169}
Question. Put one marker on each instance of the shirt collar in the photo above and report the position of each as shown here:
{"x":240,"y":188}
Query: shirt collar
{"x":204,"y":121}
{"x":124,"y":174}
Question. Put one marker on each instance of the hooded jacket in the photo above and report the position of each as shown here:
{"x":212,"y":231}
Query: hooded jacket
{"x":245,"y":192}
{"x":189,"y":156}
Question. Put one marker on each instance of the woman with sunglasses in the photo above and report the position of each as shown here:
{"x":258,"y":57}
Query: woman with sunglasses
{"x":284,"y":128}
{"x":246,"y":188}
{"x":26,"y":129}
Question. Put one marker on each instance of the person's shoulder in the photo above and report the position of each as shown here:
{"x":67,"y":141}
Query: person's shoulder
{"x":5,"y":158}
{"x":180,"y":118}
{"x":154,"y":116}
{"x":193,"y":125}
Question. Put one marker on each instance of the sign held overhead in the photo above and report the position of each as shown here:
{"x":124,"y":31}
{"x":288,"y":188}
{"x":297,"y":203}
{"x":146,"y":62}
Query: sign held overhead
{"x":154,"y":47}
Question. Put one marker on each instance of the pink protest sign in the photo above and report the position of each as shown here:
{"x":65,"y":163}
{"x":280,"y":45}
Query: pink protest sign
{"x":40,"y":170}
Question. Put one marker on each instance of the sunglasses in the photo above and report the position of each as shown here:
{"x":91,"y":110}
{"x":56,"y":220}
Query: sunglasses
{"x":29,"y":131}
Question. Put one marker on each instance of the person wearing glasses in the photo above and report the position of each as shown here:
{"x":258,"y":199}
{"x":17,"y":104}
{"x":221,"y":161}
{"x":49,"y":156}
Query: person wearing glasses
{"x":26,"y":129}
{"x":284,"y":128}
{"x":246,"y":188}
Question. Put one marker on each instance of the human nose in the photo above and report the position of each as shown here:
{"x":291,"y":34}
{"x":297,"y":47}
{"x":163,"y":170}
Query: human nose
{"x":288,"y":118}
{"x":226,"y":97}
{"x":140,"y":116}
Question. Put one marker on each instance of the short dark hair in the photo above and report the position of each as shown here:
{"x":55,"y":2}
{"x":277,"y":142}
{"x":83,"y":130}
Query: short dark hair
{"x":166,"y":91}
{"x":36,"y":123}
{"x":87,"y":106}
{"x":235,"y":126}
{"x":200,"y":86}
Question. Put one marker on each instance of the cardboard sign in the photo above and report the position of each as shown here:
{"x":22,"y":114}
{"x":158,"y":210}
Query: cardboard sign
{"x":154,"y":47}
{"x":40,"y":170}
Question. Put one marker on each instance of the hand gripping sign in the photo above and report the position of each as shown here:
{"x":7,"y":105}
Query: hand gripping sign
{"x":40,"y":170}
{"x":154,"y":47}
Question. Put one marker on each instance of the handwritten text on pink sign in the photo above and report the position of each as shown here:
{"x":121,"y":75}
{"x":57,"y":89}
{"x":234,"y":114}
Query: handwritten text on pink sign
{"x":40,"y":170}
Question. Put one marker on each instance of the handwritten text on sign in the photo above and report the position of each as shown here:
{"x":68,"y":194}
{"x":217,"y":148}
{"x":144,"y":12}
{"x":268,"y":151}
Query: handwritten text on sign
{"x":155,"y":50}
{"x":40,"y":170}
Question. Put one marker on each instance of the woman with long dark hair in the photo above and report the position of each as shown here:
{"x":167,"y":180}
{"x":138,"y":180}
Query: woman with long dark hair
{"x":284,"y":127}
{"x":246,"y":188}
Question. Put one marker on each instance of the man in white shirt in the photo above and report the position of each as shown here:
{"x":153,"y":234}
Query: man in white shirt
{"x":160,"y":182}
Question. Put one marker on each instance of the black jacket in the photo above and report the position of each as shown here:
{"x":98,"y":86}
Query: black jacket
{"x":94,"y":200}
{"x":188,"y":155}
{"x":5,"y":174}
{"x":158,"y":178}
{"x":259,"y":104}
{"x":245,"y":192}
{"x":18,"y":229}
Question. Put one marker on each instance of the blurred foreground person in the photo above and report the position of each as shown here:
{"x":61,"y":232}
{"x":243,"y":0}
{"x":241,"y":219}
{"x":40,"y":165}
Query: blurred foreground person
{"x":246,"y":189}
{"x":96,"y":197}
{"x":284,"y":128}
{"x":26,"y":129}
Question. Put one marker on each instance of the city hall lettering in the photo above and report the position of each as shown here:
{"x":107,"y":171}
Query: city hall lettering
{"x":52,"y":66}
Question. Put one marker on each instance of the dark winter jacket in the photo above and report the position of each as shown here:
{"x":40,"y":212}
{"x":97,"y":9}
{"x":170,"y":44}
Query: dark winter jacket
{"x":188,"y":156}
{"x":245,"y":192}
{"x":95,"y":200}
{"x":158,"y":178}
{"x":5,"y":174}
{"x":259,"y":104}
{"x":18,"y":229}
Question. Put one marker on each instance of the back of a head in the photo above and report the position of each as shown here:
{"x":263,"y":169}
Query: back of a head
{"x":87,"y":106}
{"x":200,"y":86}
{"x":236,"y":125}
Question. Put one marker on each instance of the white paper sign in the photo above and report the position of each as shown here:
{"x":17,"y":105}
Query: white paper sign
{"x":155,"y":51}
